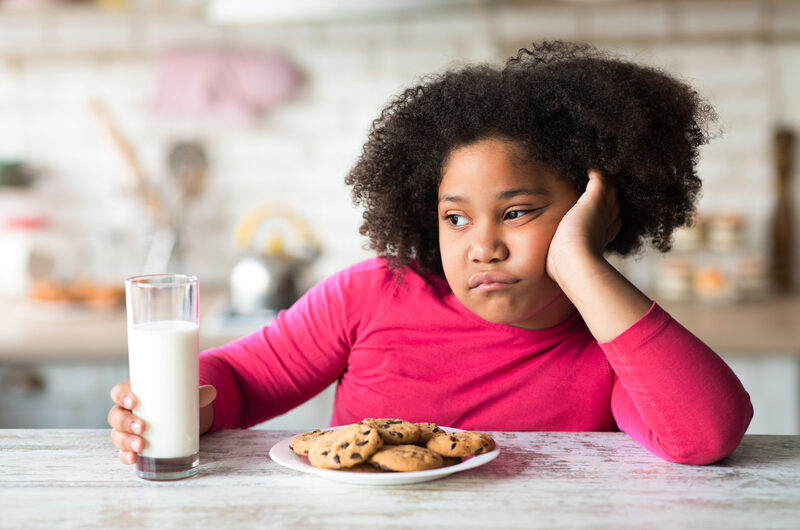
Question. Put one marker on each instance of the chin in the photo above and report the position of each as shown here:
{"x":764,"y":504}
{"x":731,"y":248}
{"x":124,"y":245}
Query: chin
{"x":502,"y":316}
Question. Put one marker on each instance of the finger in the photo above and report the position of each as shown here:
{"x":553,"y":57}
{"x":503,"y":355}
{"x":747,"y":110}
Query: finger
{"x":597,"y":177}
{"x":122,"y":420}
{"x":127,"y":442}
{"x":121,"y":395}
{"x":207,"y":394}
{"x":600,"y":188}
{"x":127,"y":457}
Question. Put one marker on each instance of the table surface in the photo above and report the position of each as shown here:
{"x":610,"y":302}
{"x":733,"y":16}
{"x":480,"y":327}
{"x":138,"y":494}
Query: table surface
{"x":55,"y":478}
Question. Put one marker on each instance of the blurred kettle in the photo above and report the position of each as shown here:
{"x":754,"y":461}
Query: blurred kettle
{"x":267,"y":278}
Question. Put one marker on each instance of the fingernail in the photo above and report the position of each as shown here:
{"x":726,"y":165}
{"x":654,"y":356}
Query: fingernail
{"x":128,"y":402}
{"x":136,"y":427}
{"x":137,"y":446}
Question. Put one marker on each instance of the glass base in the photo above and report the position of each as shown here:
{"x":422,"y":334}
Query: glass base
{"x":167,"y":468}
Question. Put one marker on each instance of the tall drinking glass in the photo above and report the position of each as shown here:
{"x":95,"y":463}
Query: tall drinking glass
{"x":163,"y":335}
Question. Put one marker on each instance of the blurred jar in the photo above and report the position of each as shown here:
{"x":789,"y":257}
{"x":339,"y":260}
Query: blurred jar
{"x":22,"y":238}
{"x":725,"y":232}
{"x":753,"y":281}
{"x":714,"y":282}
{"x":674,"y":280}
{"x":689,"y":238}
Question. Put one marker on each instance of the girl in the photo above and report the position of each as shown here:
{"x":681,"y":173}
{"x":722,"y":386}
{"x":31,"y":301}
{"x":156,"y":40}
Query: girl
{"x":491,"y":196}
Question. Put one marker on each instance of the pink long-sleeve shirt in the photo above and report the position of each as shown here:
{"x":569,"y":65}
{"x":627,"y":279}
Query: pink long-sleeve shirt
{"x":411,"y":350}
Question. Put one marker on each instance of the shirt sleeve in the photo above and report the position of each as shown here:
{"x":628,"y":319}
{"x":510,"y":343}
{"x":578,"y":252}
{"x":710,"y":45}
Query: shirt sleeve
{"x":286,"y":363}
{"x":673,"y":394}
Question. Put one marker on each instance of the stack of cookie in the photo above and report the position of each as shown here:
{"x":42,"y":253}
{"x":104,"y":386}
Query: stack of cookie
{"x":389,"y":445}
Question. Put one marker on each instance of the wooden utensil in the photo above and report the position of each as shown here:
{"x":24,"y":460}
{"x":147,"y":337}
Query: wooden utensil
{"x":146,"y":193}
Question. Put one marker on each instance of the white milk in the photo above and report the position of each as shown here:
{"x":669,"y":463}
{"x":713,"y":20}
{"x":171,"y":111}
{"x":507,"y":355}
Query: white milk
{"x":163,"y":360}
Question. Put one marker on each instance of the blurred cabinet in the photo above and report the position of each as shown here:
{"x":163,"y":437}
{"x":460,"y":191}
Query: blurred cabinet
{"x":313,"y":414}
{"x":773,"y":381}
{"x":58,"y":394}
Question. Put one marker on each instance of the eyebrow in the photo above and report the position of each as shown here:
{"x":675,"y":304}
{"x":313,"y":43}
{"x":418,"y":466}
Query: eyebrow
{"x":503,"y":195}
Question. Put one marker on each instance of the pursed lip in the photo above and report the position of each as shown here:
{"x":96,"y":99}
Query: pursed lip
{"x":490,"y":279}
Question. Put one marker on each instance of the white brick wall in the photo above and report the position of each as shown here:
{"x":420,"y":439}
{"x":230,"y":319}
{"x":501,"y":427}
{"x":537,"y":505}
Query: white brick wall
{"x":52,"y":63}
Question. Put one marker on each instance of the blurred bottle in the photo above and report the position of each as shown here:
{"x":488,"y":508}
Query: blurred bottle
{"x":21,"y":256}
{"x":783,"y":221}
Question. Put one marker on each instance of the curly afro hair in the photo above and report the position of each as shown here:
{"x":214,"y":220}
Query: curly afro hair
{"x":569,"y":106}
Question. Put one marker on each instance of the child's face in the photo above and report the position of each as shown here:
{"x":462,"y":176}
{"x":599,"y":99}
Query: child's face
{"x":497,"y":216}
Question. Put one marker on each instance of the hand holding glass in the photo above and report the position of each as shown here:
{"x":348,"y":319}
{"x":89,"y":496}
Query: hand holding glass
{"x":163,"y":335}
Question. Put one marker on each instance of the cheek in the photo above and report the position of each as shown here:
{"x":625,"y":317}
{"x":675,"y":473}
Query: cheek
{"x":535,"y":243}
{"x":450,"y":257}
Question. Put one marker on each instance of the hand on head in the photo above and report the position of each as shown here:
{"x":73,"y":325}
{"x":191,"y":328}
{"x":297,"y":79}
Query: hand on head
{"x":127,"y":428}
{"x":591,"y":224}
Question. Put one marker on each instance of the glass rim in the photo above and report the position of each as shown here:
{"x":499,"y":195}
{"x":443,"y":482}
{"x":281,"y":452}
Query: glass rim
{"x":167,"y":279}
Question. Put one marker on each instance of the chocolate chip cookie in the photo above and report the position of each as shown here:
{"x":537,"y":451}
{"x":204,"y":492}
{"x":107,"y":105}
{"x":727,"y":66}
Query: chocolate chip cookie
{"x":461,"y":443}
{"x":406,"y":458}
{"x":345,"y":447}
{"x":363,"y":468}
{"x":426,"y":431}
{"x":394,"y":431}
{"x":302,"y":442}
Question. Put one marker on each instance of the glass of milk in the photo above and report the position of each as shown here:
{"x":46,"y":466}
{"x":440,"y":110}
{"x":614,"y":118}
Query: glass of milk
{"x":163,"y":335}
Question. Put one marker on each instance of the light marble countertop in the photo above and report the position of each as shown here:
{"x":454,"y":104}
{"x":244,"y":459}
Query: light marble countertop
{"x":72,"y":479}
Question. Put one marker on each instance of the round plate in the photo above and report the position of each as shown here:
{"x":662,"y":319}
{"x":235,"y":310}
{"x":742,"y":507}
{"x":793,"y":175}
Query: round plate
{"x":283,"y":455}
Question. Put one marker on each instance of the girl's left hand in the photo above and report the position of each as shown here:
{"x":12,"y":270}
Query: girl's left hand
{"x":587,"y":227}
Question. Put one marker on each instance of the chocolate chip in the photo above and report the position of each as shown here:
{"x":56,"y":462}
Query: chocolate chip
{"x":452,"y":437}
{"x":480,"y":450}
{"x":325,"y":453}
{"x":356,"y":456}
{"x":336,"y":458}
{"x":365,"y":442}
{"x":436,"y":429}
{"x":366,"y":432}
{"x":344,"y":445}
{"x":453,"y":446}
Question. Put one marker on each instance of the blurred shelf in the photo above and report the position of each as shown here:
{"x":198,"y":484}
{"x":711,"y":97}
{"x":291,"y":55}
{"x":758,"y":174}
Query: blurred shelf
{"x":32,"y":332}
{"x":49,"y":331}
{"x":68,"y":9}
{"x":770,"y":326}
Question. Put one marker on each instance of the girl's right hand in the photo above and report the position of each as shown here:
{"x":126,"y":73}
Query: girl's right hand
{"x":126,"y":428}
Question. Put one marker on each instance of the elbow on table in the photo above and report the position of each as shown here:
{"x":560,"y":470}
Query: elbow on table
{"x":701,"y":454}
{"x":710,"y":444}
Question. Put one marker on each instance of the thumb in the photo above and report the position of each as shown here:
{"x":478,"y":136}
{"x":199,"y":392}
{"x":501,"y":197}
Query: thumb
{"x":207,"y":394}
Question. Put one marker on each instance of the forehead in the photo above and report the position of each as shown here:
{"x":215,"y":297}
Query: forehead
{"x":494,"y":163}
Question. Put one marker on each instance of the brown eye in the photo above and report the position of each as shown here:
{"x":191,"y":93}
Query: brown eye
{"x":456,"y":220}
{"x":516,"y":214}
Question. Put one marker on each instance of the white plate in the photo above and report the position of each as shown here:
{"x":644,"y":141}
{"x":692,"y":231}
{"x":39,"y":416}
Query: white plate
{"x":283,"y":455}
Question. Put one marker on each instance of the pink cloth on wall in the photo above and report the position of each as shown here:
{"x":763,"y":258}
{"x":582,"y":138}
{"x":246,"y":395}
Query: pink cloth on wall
{"x":230,"y":83}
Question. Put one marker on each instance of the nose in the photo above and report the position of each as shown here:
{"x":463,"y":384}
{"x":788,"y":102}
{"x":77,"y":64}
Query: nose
{"x":487,"y":246}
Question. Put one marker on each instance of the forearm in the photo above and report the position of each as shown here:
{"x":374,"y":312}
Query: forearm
{"x":607,"y":301}
{"x":673,"y":394}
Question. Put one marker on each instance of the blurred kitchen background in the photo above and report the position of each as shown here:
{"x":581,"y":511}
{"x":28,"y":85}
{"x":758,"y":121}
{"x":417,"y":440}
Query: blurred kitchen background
{"x":213,"y":138}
